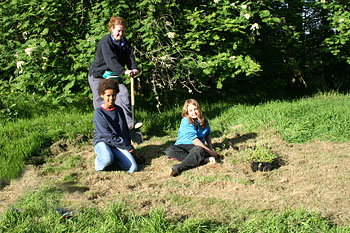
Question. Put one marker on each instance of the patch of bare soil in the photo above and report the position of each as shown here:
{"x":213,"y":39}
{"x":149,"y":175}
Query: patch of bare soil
{"x":17,"y":188}
{"x":314,"y":176}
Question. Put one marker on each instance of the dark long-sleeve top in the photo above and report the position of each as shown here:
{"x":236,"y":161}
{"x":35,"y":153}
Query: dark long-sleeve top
{"x":111,"y":128}
{"x":113,"y":56}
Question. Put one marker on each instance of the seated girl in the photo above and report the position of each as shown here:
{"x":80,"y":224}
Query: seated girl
{"x":190,"y":147}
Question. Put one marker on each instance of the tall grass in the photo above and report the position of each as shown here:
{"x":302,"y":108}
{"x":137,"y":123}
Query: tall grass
{"x":25,"y":138}
{"x":289,"y":221}
{"x":324,"y":117}
{"x":41,"y":211}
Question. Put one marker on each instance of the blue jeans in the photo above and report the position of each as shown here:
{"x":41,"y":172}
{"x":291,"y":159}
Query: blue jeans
{"x":110,"y":155}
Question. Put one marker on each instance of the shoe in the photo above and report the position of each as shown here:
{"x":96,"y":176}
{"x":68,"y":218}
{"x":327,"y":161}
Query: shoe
{"x":210,"y":160}
{"x":138,"y":125}
{"x":173,"y":172}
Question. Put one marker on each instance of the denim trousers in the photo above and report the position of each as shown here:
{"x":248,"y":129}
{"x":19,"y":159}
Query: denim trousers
{"x":123,"y":98}
{"x":107,"y":156}
{"x":189,"y":155}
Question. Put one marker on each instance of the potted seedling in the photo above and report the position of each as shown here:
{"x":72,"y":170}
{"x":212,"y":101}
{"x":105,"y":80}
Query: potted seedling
{"x":261,"y":157}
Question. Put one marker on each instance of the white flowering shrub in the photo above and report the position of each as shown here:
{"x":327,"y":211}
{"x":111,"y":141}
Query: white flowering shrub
{"x":38,"y":43}
{"x":339,"y":18}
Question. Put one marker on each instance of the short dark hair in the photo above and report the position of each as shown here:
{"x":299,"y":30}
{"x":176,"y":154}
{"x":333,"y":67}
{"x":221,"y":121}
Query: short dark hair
{"x":107,"y":84}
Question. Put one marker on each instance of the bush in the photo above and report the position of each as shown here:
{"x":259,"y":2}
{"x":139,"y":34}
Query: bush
{"x":47,"y":47}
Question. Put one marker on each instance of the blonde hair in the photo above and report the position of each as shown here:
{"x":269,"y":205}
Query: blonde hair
{"x":202,"y":120}
{"x":114,"y":21}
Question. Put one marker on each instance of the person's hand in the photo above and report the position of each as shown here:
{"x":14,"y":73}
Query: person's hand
{"x":135,"y":72}
{"x":128,"y":73}
{"x":131,"y":73}
{"x":215,"y":154}
{"x":132,"y":151}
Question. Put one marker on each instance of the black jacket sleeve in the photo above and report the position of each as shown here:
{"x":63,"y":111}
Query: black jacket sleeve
{"x":110,"y":56}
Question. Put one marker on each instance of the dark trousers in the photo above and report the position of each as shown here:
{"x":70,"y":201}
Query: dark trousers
{"x":189,"y":155}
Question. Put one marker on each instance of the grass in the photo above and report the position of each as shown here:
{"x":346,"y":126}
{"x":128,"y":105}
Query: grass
{"x":200,"y":200}
{"x":40,"y":212}
{"x":322,"y":117}
{"x":289,"y":221}
{"x":28,"y":139}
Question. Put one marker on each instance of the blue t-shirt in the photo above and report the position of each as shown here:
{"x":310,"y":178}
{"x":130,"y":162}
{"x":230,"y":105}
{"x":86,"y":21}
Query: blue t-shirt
{"x":187,"y":132}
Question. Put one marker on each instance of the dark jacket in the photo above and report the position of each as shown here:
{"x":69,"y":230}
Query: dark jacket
{"x":111,"y":128}
{"x":110,"y":56}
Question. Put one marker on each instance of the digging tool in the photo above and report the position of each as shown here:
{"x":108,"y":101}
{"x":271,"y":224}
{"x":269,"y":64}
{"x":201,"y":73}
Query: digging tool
{"x":135,"y":134}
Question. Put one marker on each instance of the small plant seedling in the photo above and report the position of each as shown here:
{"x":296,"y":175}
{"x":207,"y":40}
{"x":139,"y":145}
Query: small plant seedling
{"x":261,"y":153}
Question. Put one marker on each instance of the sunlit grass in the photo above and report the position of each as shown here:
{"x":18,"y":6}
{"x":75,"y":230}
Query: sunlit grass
{"x":42,"y":211}
{"x":26,"y":138}
{"x":323,"y":117}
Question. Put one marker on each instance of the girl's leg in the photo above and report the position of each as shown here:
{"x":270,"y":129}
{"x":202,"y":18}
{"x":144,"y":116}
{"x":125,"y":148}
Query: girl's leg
{"x":189,"y":155}
{"x":125,"y":160}
{"x":104,"y":156}
{"x":194,"y":158}
{"x":177,"y":152}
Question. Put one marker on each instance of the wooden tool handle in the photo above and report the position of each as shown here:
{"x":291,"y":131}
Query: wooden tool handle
{"x":132,"y":91}
{"x":132,"y":99}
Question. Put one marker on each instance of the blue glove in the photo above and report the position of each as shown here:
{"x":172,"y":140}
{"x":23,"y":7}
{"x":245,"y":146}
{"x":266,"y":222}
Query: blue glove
{"x":110,"y":74}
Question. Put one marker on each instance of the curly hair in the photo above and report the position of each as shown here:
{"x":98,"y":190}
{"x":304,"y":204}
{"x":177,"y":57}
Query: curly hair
{"x":202,"y":120}
{"x":114,"y":21}
{"x":107,"y":84}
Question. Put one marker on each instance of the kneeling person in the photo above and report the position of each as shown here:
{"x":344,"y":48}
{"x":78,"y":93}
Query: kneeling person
{"x":111,"y":135}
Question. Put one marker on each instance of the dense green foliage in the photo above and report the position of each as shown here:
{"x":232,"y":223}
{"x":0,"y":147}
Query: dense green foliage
{"x":47,"y":47}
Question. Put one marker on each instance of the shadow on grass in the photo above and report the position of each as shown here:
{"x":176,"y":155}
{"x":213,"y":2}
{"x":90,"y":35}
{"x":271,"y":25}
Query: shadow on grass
{"x":151,"y":152}
{"x":4,"y":183}
{"x":231,"y":142}
{"x":72,"y":187}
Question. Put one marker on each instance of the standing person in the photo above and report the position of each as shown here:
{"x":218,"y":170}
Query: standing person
{"x":111,"y":135}
{"x":190,"y":147}
{"x":112,"y":55}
